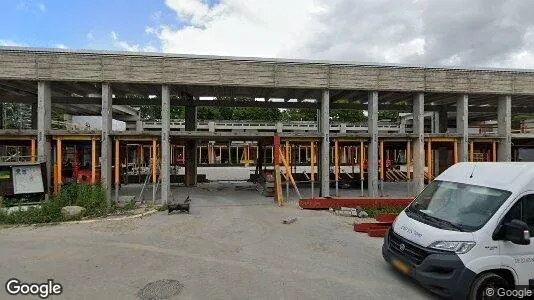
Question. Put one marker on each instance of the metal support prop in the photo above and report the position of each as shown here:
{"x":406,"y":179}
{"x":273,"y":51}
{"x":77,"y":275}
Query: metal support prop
{"x":494,"y":151}
{"x":93,"y":160}
{"x":472,"y":152}
{"x":117,"y":169}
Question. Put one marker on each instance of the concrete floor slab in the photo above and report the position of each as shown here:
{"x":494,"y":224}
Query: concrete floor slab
{"x":232,"y":246}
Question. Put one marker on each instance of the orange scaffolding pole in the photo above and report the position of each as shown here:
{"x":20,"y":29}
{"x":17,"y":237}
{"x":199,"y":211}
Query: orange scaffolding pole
{"x":408,"y":160}
{"x":33,"y":150}
{"x":362,"y":153}
{"x":117,"y":163}
{"x":429,"y":159}
{"x":312,"y":172}
{"x":381,"y":160}
{"x":93,"y":160}
{"x":336,"y":159}
{"x":154,"y":160}
{"x":59,"y":164}
{"x":455,"y":152}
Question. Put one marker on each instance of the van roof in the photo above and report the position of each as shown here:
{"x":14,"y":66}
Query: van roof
{"x":509,"y":176}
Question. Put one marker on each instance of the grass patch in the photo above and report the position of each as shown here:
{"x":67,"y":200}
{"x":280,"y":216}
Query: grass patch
{"x":388,"y":210}
{"x":91,"y":197}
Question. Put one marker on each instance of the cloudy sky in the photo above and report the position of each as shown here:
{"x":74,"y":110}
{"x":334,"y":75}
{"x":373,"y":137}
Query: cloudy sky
{"x":471,"y":33}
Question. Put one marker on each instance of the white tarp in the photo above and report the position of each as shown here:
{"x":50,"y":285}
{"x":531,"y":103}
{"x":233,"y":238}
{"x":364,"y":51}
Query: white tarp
{"x":27,"y":179}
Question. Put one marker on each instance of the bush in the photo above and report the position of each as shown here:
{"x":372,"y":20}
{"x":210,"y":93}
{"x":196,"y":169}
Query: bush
{"x":387,"y":210}
{"x":91,"y":197}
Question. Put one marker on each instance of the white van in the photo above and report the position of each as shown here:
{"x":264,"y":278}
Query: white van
{"x":468,"y":234}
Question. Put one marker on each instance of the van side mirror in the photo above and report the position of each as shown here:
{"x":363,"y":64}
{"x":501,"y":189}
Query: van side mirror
{"x":517,"y":232}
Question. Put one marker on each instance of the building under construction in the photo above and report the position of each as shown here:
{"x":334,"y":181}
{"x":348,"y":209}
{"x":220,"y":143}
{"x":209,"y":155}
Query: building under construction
{"x":449,"y":115}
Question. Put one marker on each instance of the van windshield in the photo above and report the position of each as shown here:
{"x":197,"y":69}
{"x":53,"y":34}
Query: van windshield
{"x":456,"y":206}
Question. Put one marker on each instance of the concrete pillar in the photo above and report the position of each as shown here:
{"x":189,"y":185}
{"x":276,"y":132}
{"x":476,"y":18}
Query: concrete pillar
{"x":44,"y":119}
{"x":165,"y":144}
{"x":106,"y":142}
{"x":343,"y":128}
{"x":372,"y":154}
{"x":211,"y":126}
{"x":139,"y":125}
{"x":324,"y":129}
{"x":462,"y":127}
{"x":504,"y":117}
{"x":279,"y":126}
{"x":419,"y":143}
{"x":191,"y":156}
{"x":402,"y":126}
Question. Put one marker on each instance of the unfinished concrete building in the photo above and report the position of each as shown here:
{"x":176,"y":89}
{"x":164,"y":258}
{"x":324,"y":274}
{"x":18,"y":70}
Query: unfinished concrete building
{"x":452,"y":112}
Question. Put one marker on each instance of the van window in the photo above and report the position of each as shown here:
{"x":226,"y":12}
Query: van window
{"x":457,"y":206}
{"x":522,"y":210}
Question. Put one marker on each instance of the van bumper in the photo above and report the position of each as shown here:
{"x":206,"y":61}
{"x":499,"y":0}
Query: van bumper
{"x":441,"y":273}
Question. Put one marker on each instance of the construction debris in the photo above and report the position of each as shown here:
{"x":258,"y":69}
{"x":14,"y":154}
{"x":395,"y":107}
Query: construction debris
{"x":289,"y":221}
{"x":349,"y":212}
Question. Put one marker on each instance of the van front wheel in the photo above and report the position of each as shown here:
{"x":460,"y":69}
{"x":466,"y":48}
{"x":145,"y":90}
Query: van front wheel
{"x":486,"y":286}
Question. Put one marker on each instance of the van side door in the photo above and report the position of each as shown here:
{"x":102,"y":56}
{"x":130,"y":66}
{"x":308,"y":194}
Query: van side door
{"x":520,"y":257}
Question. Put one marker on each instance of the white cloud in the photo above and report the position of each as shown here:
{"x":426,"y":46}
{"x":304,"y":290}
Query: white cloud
{"x":156,"y":16}
{"x":90,"y":36}
{"x":430,"y":32}
{"x":21,"y":4}
{"x":239,"y":27}
{"x":61,"y":46}
{"x":42,"y":7}
{"x":10,"y":43}
{"x":123,"y":45}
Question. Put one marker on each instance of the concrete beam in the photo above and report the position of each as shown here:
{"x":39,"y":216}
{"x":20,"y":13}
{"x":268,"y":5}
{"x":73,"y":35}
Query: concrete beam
{"x":165,"y":144}
{"x":324,"y":125}
{"x":372,"y":156}
{"x":44,"y":123}
{"x":125,"y":109}
{"x":462,"y":126}
{"x":504,"y":117}
{"x":419,"y":143}
{"x":106,"y":141}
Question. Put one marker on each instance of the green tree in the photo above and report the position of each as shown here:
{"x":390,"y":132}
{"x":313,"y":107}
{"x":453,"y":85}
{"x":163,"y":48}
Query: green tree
{"x":347,"y":116}
{"x":299,"y":114}
{"x":388,"y":115}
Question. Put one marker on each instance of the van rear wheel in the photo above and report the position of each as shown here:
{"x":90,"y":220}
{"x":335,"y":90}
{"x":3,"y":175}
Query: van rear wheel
{"x":486,"y":286}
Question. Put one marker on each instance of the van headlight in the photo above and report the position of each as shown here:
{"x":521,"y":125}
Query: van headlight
{"x":456,"y":247}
